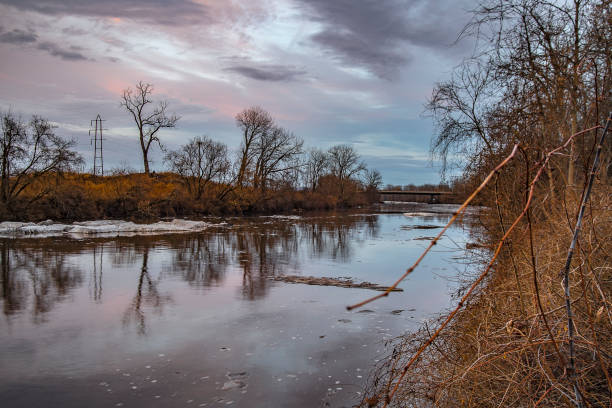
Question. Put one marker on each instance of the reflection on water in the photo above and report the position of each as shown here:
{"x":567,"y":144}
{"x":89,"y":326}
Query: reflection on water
{"x":147,"y":295}
{"x":87,"y":306}
{"x":36,"y":274}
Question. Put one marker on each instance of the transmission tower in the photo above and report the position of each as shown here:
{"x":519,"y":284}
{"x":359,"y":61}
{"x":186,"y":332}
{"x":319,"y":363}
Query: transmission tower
{"x":96,"y":128}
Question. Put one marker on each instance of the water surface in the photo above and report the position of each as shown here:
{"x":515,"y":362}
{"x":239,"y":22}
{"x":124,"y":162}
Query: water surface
{"x":194,"y":320}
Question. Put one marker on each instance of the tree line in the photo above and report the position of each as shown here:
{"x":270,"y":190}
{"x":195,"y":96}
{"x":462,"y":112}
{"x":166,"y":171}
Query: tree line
{"x":271,"y":162}
{"x":269,"y":155}
{"x":541,"y":73}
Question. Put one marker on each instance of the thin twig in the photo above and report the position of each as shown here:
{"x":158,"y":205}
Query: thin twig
{"x":570,"y":254}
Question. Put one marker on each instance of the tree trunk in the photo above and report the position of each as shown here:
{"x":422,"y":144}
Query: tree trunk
{"x":146,"y":163}
{"x":145,"y":150}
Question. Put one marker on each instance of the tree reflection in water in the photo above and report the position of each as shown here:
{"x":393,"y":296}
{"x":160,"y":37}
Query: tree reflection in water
{"x":201,"y":260}
{"x":262,"y":251}
{"x":38,"y":273}
{"x":147,"y":295}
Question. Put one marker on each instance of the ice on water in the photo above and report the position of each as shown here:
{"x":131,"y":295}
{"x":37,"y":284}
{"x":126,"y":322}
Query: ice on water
{"x":100,"y":227}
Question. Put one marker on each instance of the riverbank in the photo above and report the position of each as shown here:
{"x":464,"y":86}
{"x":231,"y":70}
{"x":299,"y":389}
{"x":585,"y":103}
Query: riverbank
{"x":509,"y":344}
{"x":138,"y":197}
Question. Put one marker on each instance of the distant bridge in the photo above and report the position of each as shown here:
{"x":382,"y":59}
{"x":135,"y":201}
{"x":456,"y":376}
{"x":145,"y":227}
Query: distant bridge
{"x":431,"y":197}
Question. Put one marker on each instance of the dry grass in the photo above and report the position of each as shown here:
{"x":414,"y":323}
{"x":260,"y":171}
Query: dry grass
{"x":72,"y":196}
{"x":520,"y":335}
{"x":500,"y":349}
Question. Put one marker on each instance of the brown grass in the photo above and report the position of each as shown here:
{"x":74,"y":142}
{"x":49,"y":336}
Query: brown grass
{"x":500,"y":349}
{"x":510,"y":340}
{"x":72,"y":197}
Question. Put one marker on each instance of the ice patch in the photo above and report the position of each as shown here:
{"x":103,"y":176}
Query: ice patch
{"x":283,"y":217}
{"x":100,"y":228}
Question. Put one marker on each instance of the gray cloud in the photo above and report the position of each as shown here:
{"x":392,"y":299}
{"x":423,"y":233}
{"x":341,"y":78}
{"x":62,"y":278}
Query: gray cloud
{"x":275,"y":73}
{"x":30,"y":39}
{"x":353,"y":49}
{"x":166,"y":12}
{"x":71,"y":54}
{"x":18,"y":37}
{"x":375,"y":34}
{"x":73,"y":31}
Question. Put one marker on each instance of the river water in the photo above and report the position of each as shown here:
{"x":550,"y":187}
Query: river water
{"x":193,"y":319}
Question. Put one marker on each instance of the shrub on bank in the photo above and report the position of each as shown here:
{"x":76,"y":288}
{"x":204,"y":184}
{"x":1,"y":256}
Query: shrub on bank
{"x":77,"y":197}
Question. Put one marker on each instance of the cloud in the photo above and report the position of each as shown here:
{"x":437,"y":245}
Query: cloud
{"x":274,"y":73}
{"x":167,"y":12}
{"x":18,"y":37}
{"x":30,"y":39}
{"x":376,"y":36}
{"x":354,"y":49}
{"x":71,"y":54}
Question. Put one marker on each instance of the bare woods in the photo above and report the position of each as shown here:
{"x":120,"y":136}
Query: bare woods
{"x":524,"y":121}
{"x":271,"y":171}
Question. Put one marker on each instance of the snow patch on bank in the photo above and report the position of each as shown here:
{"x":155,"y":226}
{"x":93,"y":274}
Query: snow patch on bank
{"x":100,"y":228}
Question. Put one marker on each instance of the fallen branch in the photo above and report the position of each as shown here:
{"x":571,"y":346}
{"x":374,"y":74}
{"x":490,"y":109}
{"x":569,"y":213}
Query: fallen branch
{"x":339,"y":282}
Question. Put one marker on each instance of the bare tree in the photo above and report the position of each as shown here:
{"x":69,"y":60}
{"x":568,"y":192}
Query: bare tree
{"x":372,"y":179}
{"x":275,"y":152}
{"x":28,"y":152}
{"x":253,"y":122}
{"x":459,"y":107}
{"x":148,"y":123}
{"x":540,"y":73}
{"x":316,"y":166}
{"x":200,"y":162}
{"x":344,"y":164}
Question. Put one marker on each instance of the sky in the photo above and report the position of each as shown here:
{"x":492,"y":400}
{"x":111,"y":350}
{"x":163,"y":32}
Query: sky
{"x":355,"y":72}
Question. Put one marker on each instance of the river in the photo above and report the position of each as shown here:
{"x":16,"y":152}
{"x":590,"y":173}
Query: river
{"x":194,"y":319}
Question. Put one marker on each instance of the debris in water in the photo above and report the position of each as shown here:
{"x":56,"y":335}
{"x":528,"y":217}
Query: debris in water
{"x":233,"y":384}
{"x":421,"y":227}
{"x":326,"y":281}
{"x":236,"y":381}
